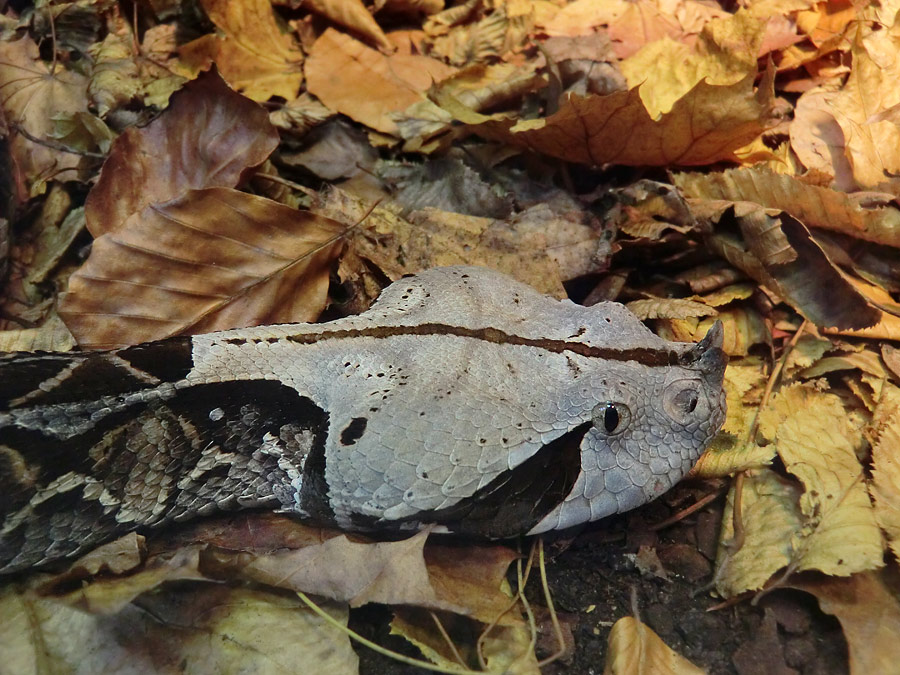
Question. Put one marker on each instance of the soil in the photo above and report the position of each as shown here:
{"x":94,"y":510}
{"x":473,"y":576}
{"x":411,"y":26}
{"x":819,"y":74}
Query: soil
{"x":594,"y":574}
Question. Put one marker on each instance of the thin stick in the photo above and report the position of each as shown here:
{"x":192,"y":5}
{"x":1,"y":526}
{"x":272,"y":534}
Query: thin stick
{"x":554,"y":619}
{"x":353,"y":635}
{"x":447,"y":639}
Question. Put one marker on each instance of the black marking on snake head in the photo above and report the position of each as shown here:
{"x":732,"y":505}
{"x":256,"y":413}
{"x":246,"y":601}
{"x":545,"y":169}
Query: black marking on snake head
{"x":353,"y":431}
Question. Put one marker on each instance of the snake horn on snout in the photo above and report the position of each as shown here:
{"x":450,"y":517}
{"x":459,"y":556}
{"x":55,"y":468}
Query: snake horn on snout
{"x":708,"y":353}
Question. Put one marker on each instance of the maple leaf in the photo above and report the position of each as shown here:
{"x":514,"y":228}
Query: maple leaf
{"x":31,"y":97}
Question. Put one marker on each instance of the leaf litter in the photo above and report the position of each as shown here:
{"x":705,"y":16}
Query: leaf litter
{"x":695,"y":162}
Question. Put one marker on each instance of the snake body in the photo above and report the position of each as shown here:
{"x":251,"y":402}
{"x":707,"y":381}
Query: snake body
{"x":461,"y":399}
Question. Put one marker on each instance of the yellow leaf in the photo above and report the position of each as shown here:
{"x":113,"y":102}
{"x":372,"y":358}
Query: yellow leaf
{"x":634,"y":649}
{"x":885,"y":486}
{"x":725,"y":53}
{"x":818,"y":442}
{"x":872,"y":145}
{"x":256,"y":56}
{"x":770,"y":516}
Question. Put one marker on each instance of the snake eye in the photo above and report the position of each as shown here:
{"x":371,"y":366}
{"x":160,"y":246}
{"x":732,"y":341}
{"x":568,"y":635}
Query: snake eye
{"x":611,"y":418}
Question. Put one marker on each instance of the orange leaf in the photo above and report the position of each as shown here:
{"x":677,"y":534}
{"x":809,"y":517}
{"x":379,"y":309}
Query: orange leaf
{"x":366,"y":85}
{"x":705,"y":126}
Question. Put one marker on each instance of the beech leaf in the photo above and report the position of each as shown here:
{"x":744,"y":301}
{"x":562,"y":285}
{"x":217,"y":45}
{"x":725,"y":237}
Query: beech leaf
{"x":207,"y":137}
{"x":366,"y":85}
{"x":209,"y":260}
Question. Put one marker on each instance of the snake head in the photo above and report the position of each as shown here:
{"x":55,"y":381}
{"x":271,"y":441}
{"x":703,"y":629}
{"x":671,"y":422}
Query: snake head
{"x":649,"y":425}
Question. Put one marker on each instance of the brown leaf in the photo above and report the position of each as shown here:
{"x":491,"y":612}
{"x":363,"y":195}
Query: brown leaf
{"x":366,"y":85}
{"x":777,"y":250}
{"x":868,"y":216}
{"x":705,"y":126}
{"x":354,"y":15}
{"x":866,"y":605}
{"x":209,"y":260}
{"x":30,"y":98}
{"x":534,"y":247}
{"x":256,"y":56}
{"x":207,"y":137}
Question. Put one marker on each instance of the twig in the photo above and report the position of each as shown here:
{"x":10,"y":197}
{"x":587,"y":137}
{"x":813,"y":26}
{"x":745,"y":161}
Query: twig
{"x":53,"y":145}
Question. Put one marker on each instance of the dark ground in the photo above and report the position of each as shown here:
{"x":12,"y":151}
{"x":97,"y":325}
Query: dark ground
{"x":591,"y":579}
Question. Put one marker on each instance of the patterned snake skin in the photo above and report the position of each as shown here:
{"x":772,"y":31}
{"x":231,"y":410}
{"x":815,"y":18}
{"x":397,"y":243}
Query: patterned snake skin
{"x":462,"y":398}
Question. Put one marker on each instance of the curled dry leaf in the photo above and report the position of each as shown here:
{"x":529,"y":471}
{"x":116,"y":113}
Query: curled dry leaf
{"x":365,"y":85}
{"x":30,"y":98}
{"x":634,"y":649}
{"x":868,"y":216}
{"x":256,"y":55}
{"x":209,"y":260}
{"x":207,"y":137}
{"x":778,"y":251}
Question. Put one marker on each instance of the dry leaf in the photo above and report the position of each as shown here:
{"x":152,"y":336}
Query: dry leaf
{"x":196,"y":629}
{"x":770,"y":517}
{"x":818,"y":441}
{"x":535,"y":247}
{"x":778,"y":251}
{"x":209,"y":260}
{"x":115,"y":81}
{"x":866,"y":605}
{"x":724,"y":54}
{"x":365,"y":85}
{"x":51,"y":336}
{"x":669,"y":308}
{"x":256,"y":56}
{"x":868,"y":216}
{"x":354,"y":15}
{"x":207,"y":137}
{"x":885,"y":487}
{"x":30,"y":98}
{"x":872,"y":146}
{"x":705,"y":126}
{"x":634,"y":649}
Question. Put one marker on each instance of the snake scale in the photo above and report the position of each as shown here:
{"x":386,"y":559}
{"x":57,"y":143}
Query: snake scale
{"x":461,"y":399}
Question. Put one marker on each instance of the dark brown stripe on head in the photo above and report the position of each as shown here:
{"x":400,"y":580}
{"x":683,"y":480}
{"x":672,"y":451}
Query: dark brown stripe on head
{"x":643,"y":355}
